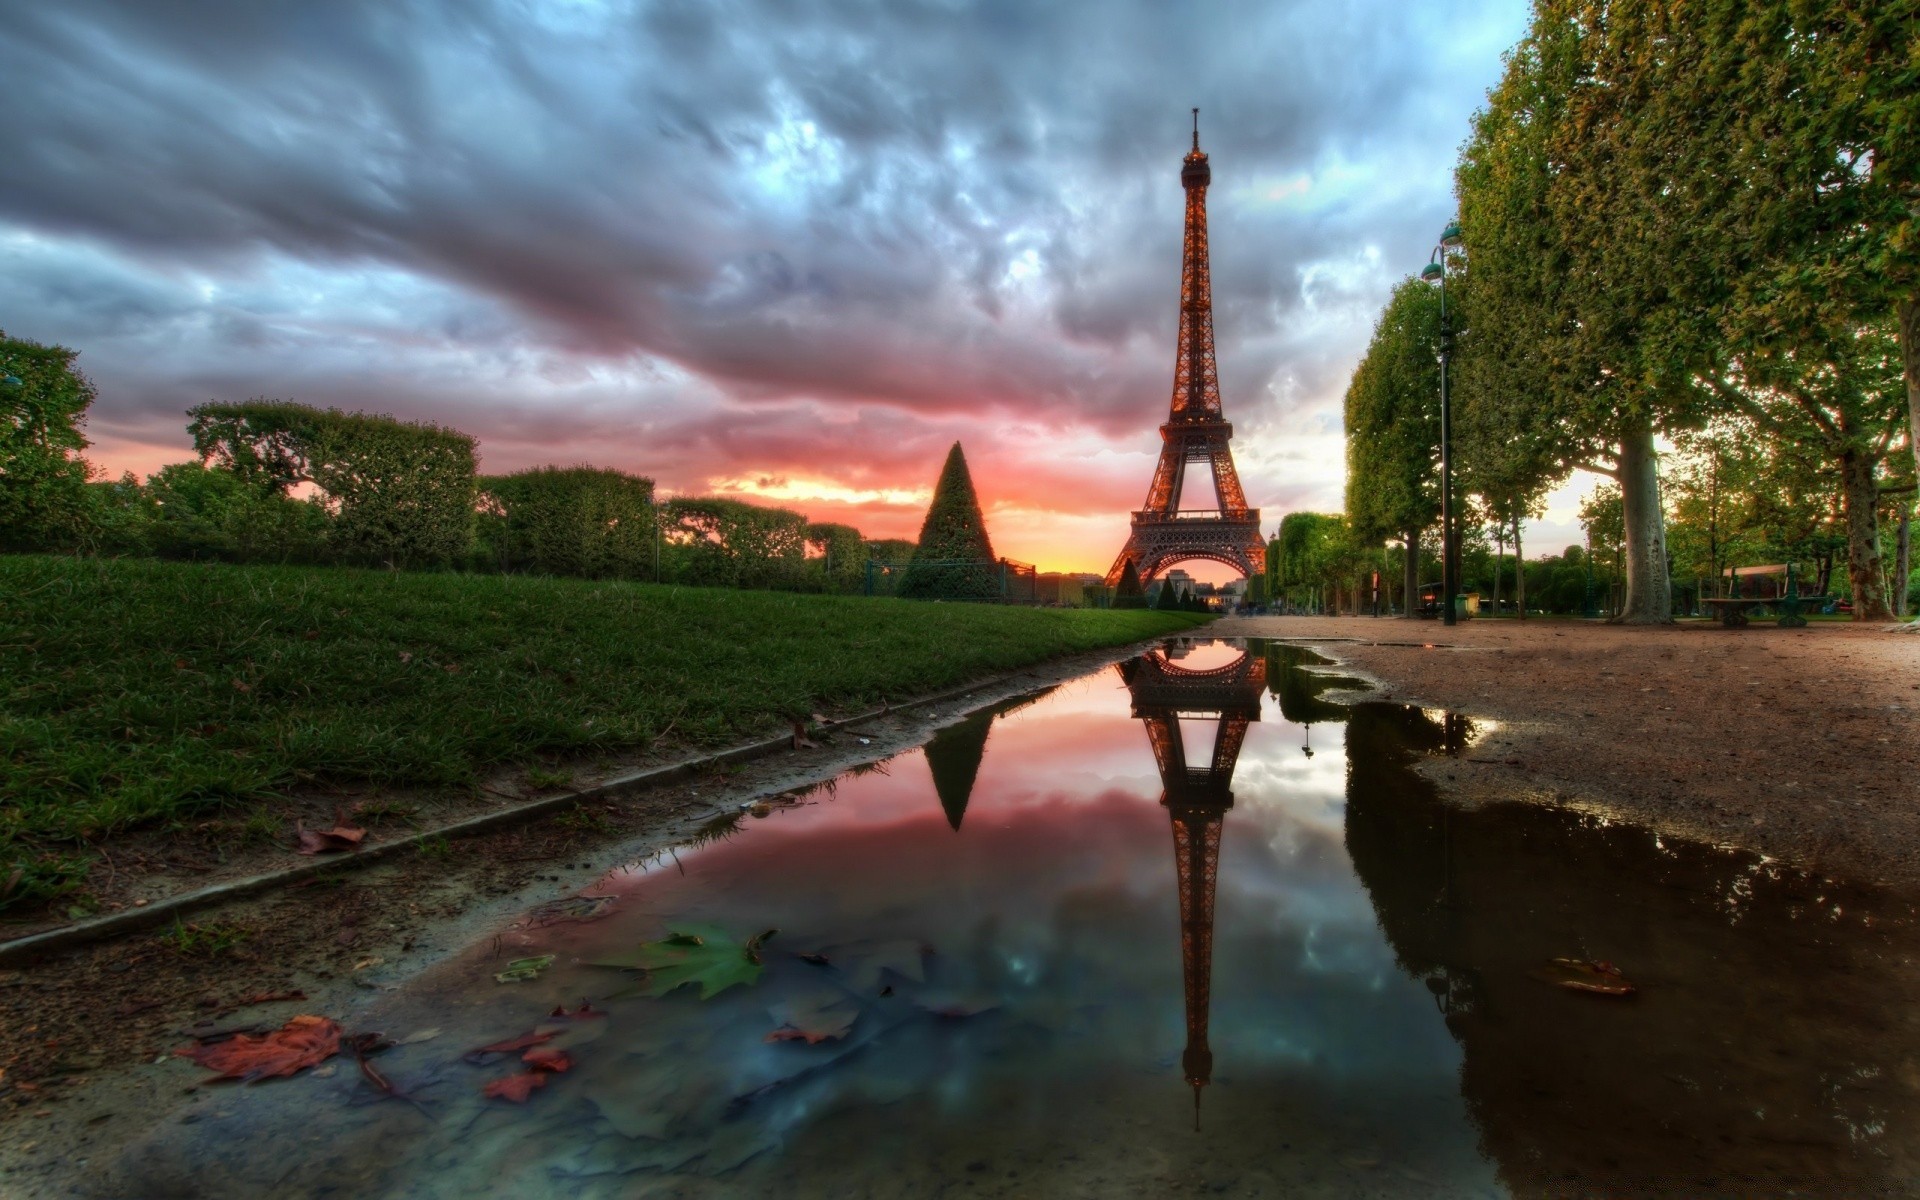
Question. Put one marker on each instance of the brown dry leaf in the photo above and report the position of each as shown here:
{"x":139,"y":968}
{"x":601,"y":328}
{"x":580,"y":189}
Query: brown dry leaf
{"x":1597,"y":978}
{"x":406,"y":656}
{"x":241,"y":686}
{"x":323,"y":841}
{"x":545,"y":1058}
{"x":515,"y":1087}
{"x":512,"y":1045}
{"x":304,"y":1041}
{"x":800,"y":739}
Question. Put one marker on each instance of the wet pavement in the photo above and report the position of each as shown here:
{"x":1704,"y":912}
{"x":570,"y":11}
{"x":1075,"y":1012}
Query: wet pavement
{"x":1181,"y":926}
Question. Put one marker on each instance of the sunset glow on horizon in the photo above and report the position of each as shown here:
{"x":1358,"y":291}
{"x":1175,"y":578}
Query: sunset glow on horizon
{"x":785,"y":257}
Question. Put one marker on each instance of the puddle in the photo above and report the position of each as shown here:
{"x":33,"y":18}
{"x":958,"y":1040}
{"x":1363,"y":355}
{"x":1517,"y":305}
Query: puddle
{"x":1184,"y":925}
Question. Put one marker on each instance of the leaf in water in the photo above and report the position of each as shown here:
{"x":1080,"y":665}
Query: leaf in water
{"x":570,"y":908}
{"x":956,"y":1005}
{"x":520,"y":970}
{"x":304,"y":1041}
{"x":1579,"y":975}
{"x":819,"y":1016}
{"x":324,"y":841}
{"x":515,"y":1087}
{"x":545,"y":1058}
{"x":865,"y":962}
{"x":698,"y":954}
{"x":511,"y":1045}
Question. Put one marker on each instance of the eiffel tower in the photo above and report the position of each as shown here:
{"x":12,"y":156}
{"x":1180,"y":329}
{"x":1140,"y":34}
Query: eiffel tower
{"x":1164,"y":533}
{"x":1197,"y":799}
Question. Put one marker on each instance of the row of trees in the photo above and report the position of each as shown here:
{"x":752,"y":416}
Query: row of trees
{"x":288,"y":483}
{"x":1691,"y":222}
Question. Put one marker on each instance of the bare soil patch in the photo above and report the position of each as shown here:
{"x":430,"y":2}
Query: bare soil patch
{"x":1799,"y":743}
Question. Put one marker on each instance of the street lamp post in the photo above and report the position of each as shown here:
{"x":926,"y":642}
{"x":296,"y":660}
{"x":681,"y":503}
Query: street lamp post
{"x":1436,"y":271}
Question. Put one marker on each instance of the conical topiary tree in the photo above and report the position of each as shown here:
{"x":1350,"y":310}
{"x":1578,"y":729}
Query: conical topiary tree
{"x":1128,"y":593}
{"x":953,"y":560}
{"x":1169,"y":598}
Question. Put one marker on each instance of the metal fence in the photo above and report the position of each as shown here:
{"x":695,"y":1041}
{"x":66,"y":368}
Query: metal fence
{"x":987,"y":581}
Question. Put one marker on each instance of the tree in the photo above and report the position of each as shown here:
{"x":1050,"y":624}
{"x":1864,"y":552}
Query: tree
{"x":1563,"y":337}
{"x":1392,"y":412}
{"x":43,"y":501}
{"x":199,"y":512}
{"x":953,"y":559}
{"x":1128,"y":593}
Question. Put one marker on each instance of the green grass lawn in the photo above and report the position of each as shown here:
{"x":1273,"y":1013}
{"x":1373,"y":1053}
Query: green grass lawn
{"x":134,"y":691}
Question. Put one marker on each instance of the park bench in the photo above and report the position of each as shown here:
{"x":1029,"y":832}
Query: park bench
{"x":1732,"y":610}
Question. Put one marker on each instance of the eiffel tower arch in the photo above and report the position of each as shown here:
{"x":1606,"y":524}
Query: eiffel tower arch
{"x":1196,"y":431}
{"x":1197,"y":797}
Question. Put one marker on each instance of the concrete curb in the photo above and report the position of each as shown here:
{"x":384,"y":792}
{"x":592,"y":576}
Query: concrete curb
{"x":161,"y":911}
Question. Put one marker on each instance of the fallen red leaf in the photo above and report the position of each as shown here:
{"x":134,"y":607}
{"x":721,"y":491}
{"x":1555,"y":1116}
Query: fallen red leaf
{"x":515,"y":1087}
{"x":543,"y":1058}
{"x":304,"y":1041}
{"x":321,"y":841}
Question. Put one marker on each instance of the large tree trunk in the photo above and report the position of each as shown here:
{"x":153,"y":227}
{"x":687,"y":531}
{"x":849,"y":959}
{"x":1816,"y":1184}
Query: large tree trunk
{"x":1910,"y":355}
{"x":1649,"y":599}
{"x":1904,"y":563}
{"x":1410,"y":576}
{"x":1499,"y":560}
{"x":1860,"y":494}
{"x":1909,"y":311}
{"x":1519,"y":574}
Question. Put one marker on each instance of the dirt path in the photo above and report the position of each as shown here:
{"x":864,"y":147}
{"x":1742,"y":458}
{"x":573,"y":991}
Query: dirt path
{"x":1801,"y":744}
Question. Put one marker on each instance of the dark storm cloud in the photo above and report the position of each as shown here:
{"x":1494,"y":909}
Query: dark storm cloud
{"x":943,"y":208}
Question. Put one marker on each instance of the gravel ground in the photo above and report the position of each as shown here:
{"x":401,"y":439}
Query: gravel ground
{"x":1798,"y":743}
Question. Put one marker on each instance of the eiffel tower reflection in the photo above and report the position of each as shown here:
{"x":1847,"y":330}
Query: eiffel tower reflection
{"x":1197,"y":797}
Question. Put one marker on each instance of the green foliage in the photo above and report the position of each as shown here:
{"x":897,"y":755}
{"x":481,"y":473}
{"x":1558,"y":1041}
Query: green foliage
{"x":401,"y":493}
{"x":839,"y":556}
{"x":1168,"y":598}
{"x":1393,"y":420}
{"x":43,"y":499}
{"x":702,"y":955}
{"x":714,"y":542}
{"x":209,"y":513}
{"x":587,"y":522}
{"x":953,"y":558}
{"x":1129,"y":592}
{"x":890,"y":550}
{"x":134,"y":691}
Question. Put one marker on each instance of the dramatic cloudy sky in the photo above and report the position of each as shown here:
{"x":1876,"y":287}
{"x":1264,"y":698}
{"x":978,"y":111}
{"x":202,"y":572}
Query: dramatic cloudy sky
{"x":770,"y":248}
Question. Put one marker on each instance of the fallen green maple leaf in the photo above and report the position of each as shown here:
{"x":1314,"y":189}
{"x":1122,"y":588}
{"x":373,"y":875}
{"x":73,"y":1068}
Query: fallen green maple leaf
{"x":522,"y":969}
{"x":701,"y":954}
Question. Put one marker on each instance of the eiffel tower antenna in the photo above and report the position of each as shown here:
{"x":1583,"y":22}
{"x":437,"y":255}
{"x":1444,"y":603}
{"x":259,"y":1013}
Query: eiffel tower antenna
{"x":1196,"y":431}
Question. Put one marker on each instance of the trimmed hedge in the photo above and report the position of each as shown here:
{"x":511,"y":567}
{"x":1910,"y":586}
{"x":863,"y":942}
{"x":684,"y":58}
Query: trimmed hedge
{"x":401,"y":493}
{"x":588,"y":522}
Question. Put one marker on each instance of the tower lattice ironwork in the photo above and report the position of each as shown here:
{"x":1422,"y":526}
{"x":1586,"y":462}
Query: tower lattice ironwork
{"x":1197,"y":798}
{"x":1196,"y":430}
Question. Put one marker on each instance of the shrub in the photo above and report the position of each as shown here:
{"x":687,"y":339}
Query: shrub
{"x":841,"y":556}
{"x":580,"y":521}
{"x":730,"y":543}
{"x":400,"y":493}
{"x":198,"y":512}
